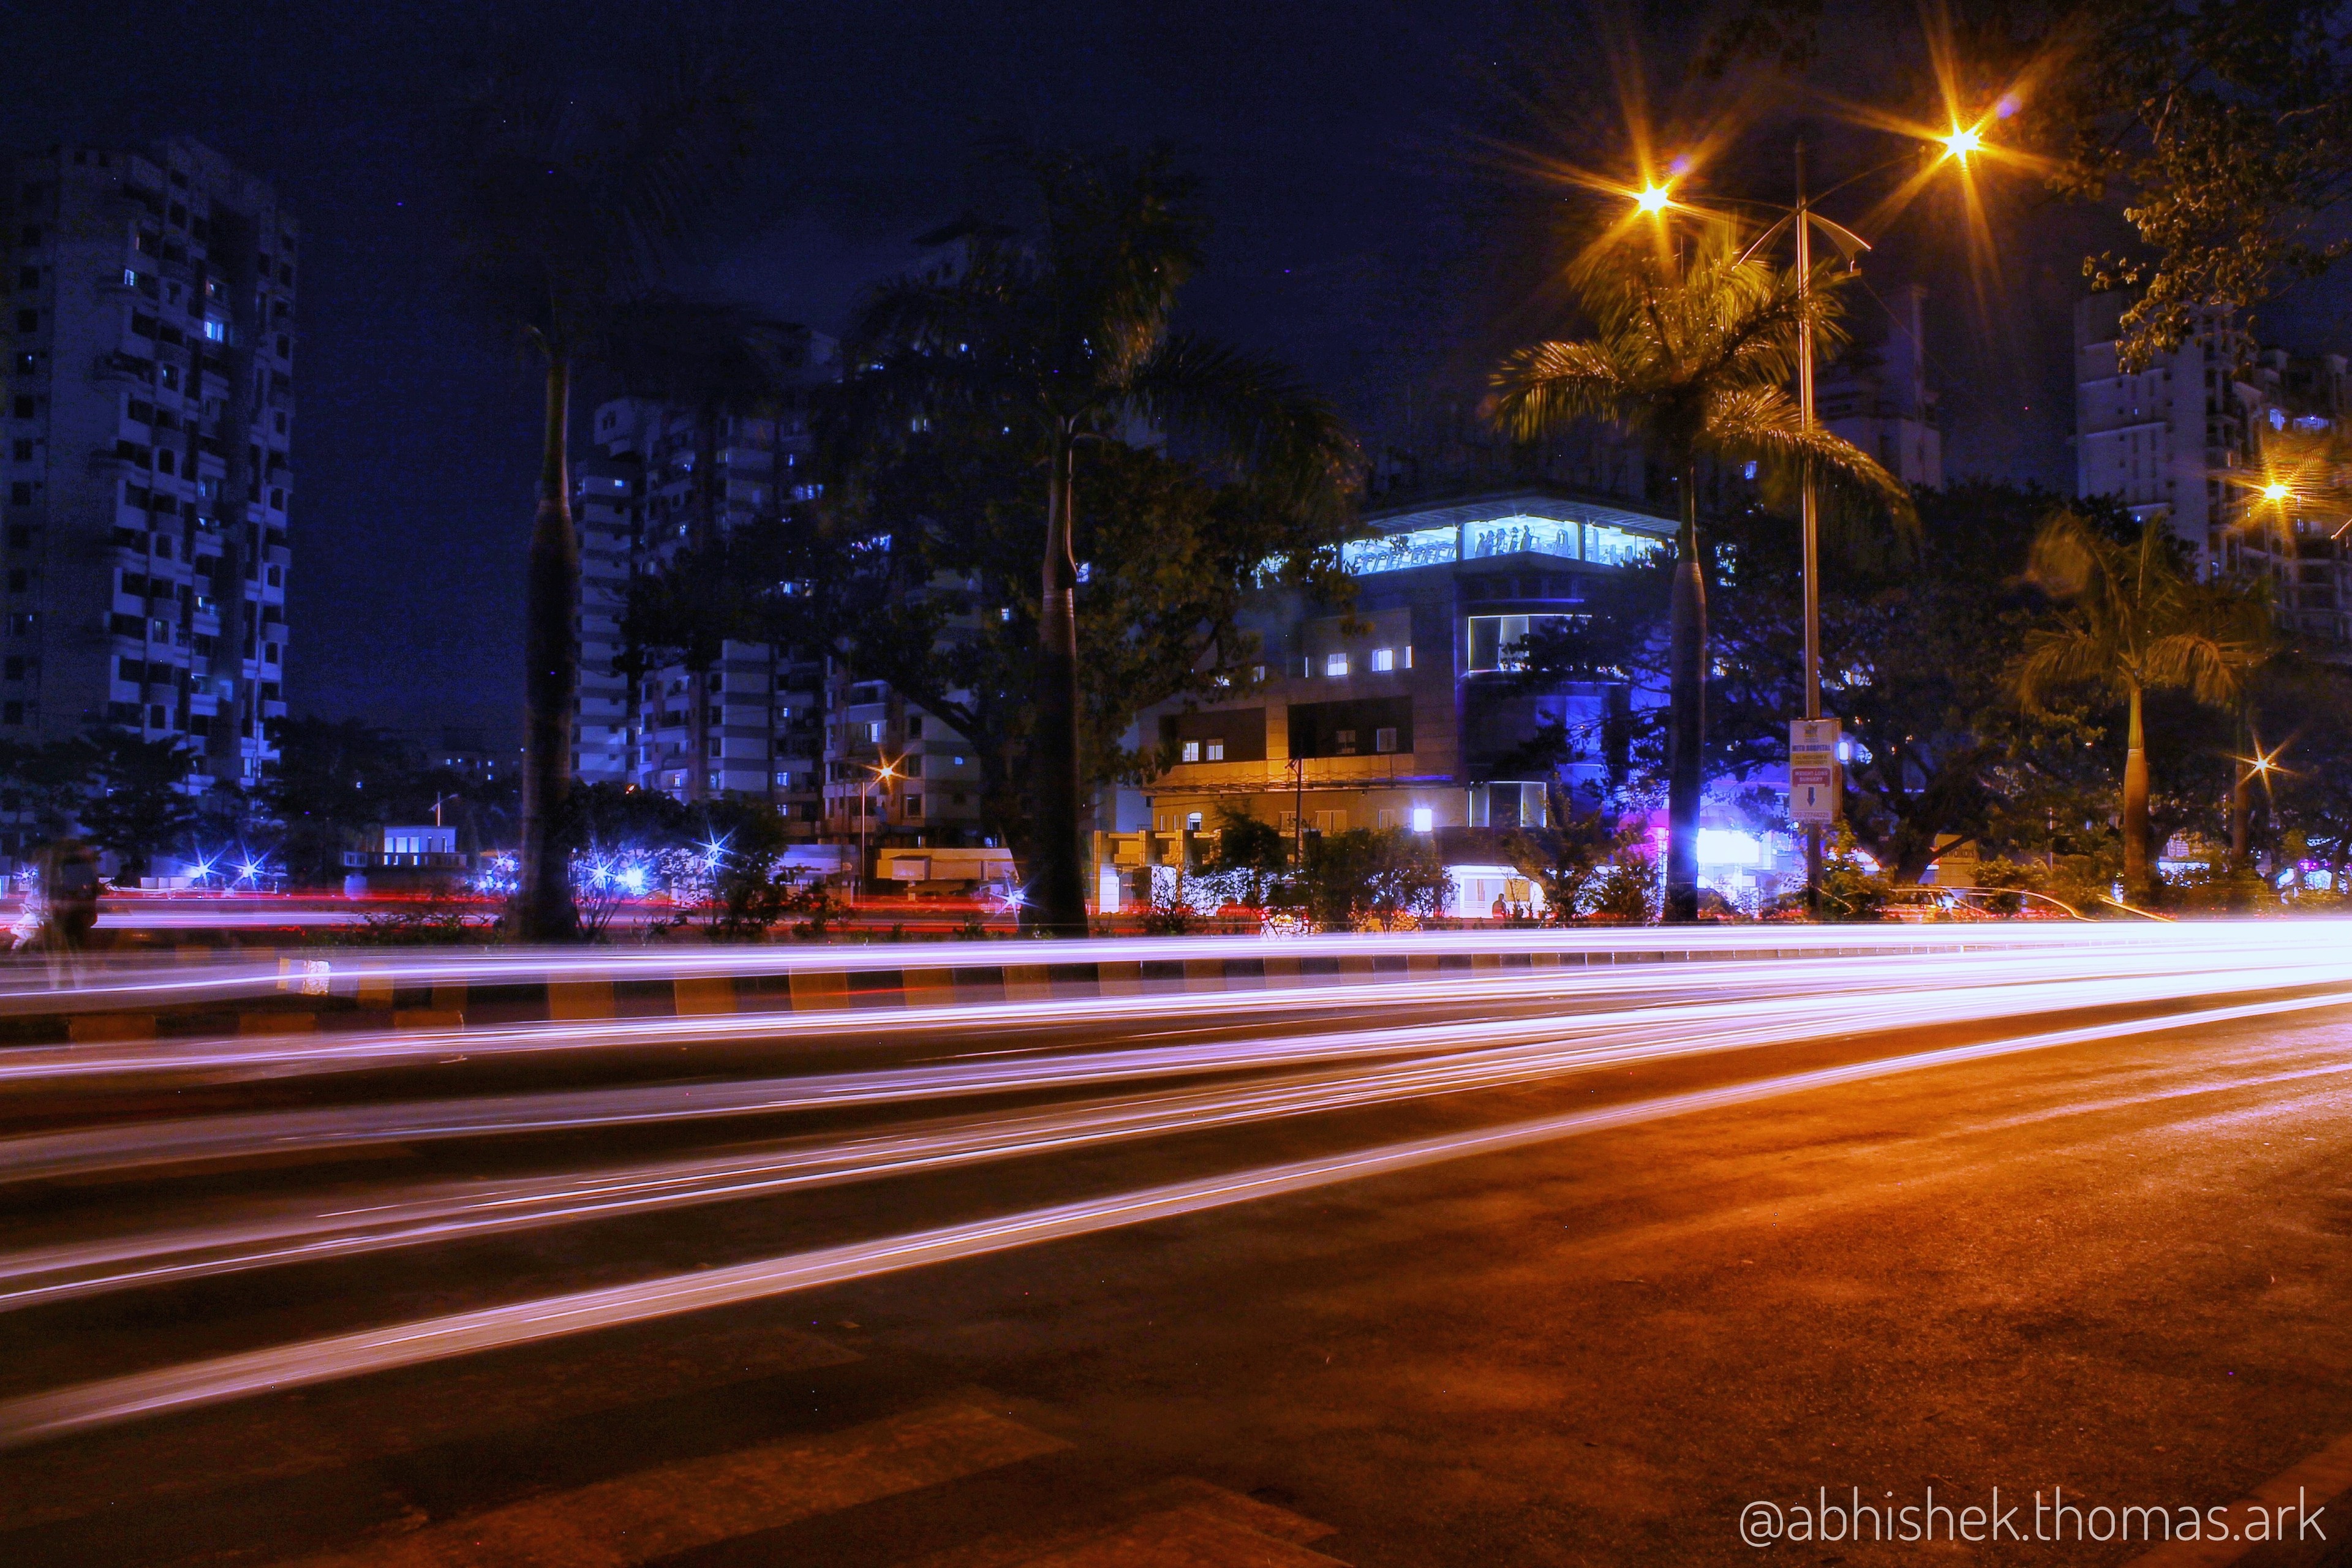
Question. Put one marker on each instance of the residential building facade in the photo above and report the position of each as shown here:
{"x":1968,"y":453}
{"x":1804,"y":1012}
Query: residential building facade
{"x":838,"y":756}
{"x":1878,"y":398}
{"x":149,"y":411}
{"x":1407,"y":712}
{"x":2194,"y":438}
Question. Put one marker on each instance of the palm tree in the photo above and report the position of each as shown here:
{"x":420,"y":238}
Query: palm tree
{"x":1061,"y":333}
{"x":573,"y":220}
{"x":2129,"y":621}
{"x":1690,"y":351}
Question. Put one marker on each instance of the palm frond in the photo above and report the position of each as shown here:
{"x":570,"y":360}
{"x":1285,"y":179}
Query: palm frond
{"x":1765,"y":422}
{"x":1543,"y":387}
{"x":1256,"y":408}
{"x":2059,"y":656}
{"x":712,"y":353}
{"x":2204,"y":665}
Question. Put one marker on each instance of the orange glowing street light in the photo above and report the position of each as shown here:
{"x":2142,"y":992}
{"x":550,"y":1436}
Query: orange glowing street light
{"x":1653,"y":199}
{"x":887,"y":771}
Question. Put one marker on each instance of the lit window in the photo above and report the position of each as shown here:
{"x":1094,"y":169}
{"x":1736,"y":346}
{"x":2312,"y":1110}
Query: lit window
{"x":215,"y":332}
{"x":1384,"y":659}
{"x":1191,"y":822}
{"x":1257,"y":675}
{"x":1334,"y":663}
{"x":1385,"y":739}
{"x":1425,"y":820}
{"x":1216,"y":750}
{"x":1192,"y":751}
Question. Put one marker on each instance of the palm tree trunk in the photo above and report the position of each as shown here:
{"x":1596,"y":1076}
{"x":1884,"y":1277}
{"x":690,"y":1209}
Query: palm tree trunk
{"x":1057,"y":884}
{"x":550,"y":683}
{"x":1686,"y":656}
{"x":2241,"y":808}
{"x":2136,"y":881}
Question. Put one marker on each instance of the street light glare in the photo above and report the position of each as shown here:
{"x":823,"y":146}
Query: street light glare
{"x":1653,"y":199}
{"x":2276,"y":492}
{"x":1961,"y":143}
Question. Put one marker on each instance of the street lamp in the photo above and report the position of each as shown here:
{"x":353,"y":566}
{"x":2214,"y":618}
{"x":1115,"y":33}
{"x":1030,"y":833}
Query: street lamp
{"x":887,"y":771}
{"x":1654,"y":200}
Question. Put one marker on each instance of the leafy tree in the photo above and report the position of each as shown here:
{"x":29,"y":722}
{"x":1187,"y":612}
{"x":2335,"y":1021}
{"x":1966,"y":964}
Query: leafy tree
{"x":336,"y":783}
{"x":933,"y":541}
{"x":2221,"y":129}
{"x":136,"y":802}
{"x":1057,"y":329}
{"x":1917,"y":648}
{"x":577,"y":207}
{"x":2129,"y":619}
{"x":1376,"y":879}
{"x":1251,"y":858}
{"x":1691,"y":349}
{"x":1572,"y":859}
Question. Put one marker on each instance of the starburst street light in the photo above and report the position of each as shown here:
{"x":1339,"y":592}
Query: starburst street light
{"x":1653,"y":199}
{"x":1961,"y":143}
{"x":2275,"y":492}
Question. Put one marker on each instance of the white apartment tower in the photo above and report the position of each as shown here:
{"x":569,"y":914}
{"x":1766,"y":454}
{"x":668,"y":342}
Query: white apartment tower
{"x":1878,"y":398}
{"x":2164,"y":440}
{"x":149,"y":402}
{"x":738,"y":727}
{"x":833,"y":752}
{"x":2185,"y":440}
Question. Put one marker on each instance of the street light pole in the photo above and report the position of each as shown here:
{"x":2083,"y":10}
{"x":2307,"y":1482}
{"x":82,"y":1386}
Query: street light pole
{"x":1812,"y":521}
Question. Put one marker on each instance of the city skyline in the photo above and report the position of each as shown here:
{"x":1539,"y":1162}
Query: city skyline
{"x":1343,"y":245}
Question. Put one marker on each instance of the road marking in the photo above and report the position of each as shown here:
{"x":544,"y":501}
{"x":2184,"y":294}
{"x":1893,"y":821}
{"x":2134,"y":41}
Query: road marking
{"x":355,"y":1423}
{"x":56,"y":1412}
{"x":2309,"y":1485}
{"x":677,"y":1507}
{"x":1178,"y":1524}
{"x":1182,"y":1538}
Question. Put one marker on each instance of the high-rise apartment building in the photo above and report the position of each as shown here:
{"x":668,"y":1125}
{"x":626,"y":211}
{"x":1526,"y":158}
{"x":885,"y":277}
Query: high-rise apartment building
{"x":2164,"y":440}
{"x":833,"y":753}
{"x":665,"y":479}
{"x":2187,"y":441}
{"x":1878,"y":398}
{"x":149,"y":401}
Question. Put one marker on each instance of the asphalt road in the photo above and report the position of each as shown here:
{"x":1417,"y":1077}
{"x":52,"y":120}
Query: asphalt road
{"x":1737,"y":1262}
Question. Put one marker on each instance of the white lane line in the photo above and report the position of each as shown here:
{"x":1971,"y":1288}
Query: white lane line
{"x":1651,"y":1031}
{"x":186,"y":1387}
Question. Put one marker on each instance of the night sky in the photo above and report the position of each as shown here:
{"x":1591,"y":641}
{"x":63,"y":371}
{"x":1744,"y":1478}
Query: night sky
{"x":1372,"y":228}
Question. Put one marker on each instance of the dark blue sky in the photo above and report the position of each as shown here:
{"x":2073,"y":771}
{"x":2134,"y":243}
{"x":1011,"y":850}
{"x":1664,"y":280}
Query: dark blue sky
{"x":1359,"y":226}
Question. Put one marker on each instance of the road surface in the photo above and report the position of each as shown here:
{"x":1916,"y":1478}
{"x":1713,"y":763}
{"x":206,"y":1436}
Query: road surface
{"x":1515,"y":1266}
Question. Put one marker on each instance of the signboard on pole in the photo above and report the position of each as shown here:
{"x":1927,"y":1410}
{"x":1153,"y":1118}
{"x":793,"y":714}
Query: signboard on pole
{"x":1816,"y":783}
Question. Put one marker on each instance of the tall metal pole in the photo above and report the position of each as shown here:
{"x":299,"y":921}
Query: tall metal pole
{"x":1812,"y":568}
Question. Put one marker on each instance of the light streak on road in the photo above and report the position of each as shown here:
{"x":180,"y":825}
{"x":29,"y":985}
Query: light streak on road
{"x":116,"y":985}
{"x":218,"y":1060}
{"x":375,"y":1049}
{"x":278,"y":1368}
{"x":1620,"y":1037}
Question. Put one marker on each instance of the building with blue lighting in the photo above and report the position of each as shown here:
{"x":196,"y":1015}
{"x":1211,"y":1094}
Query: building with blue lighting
{"x":1404,"y":713}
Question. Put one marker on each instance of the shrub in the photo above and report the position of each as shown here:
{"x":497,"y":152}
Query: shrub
{"x":1372,"y":879}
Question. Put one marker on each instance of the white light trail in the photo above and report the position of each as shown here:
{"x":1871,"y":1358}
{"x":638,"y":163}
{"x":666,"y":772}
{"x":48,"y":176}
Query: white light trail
{"x":120,"y":985}
{"x":1624,"y":1034}
{"x":60,"y":1412}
